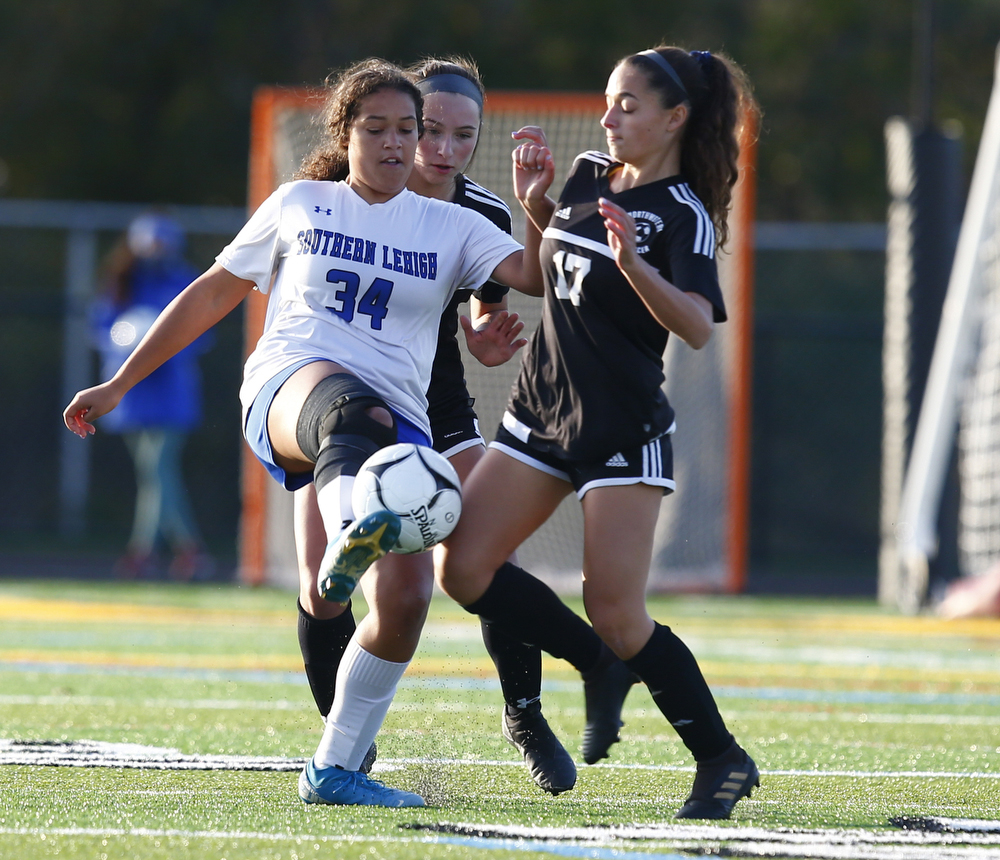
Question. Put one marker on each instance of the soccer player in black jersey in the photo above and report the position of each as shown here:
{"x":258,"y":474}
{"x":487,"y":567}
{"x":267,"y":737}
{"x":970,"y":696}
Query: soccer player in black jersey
{"x":628,"y":255}
{"x":453,"y":101}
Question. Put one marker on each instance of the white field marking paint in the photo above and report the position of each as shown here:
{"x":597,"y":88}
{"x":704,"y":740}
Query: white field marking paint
{"x":549,"y":848}
{"x":859,"y":717}
{"x":87,"y":753}
{"x":265,"y":676}
{"x":597,"y":843}
{"x":966,"y":825}
{"x":746,"y":650}
{"x":853,"y":697}
{"x":185,"y":834}
{"x":467,"y":707}
{"x":883,"y":658}
{"x":828,"y":844}
{"x":856,"y":774}
{"x":730,"y":834}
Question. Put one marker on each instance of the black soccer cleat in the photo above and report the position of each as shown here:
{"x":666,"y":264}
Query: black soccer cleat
{"x":604,"y":689}
{"x":549,"y":764}
{"x":368,"y":762}
{"x":720,"y":783}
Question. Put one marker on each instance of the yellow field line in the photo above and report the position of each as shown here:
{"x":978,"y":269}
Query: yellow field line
{"x":275,"y":662}
{"x":49,"y":611}
{"x":16,"y":608}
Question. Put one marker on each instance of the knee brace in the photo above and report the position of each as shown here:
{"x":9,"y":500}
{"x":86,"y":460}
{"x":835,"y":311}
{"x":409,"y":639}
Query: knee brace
{"x":334,"y":429}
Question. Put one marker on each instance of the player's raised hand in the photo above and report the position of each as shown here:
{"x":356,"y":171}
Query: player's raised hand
{"x":534,"y":169}
{"x":497,"y":341}
{"x":621,"y":232}
{"x":89,"y":405}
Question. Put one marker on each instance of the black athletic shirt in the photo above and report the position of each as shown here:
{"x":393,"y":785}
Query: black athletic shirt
{"x":448,"y":394}
{"x":591,"y":378}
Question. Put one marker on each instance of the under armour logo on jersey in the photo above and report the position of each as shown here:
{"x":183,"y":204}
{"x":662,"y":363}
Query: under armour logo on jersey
{"x":563,"y":213}
{"x":617,"y":460}
{"x":647,"y":225}
{"x":321,"y":211}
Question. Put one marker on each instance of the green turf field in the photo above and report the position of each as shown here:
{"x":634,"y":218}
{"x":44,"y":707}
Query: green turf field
{"x":856,"y":717}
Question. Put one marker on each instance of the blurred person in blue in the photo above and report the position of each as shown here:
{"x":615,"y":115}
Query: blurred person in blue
{"x":143,"y":273}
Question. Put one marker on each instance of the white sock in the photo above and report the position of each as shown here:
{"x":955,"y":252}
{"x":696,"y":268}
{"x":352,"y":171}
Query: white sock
{"x":365,"y":687}
{"x":334,"y":501}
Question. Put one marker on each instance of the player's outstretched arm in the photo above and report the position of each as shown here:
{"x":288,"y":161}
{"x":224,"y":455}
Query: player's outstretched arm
{"x":204,"y":302}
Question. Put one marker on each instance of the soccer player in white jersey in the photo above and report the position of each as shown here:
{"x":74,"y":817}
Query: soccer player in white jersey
{"x":453,"y":113}
{"x":358,"y":271}
{"x":628,"y":254}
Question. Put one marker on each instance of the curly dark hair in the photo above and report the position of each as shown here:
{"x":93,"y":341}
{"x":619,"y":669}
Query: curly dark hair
{"x":721,"y":103}
{"x":346,"y":92}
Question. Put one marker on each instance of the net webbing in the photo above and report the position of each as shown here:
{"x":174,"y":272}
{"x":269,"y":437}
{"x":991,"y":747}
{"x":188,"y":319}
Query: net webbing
{"x":690,"y":550}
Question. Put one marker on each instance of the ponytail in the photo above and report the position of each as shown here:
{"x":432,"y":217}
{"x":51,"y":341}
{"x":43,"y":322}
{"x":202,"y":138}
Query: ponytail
{"x":720,"y":104}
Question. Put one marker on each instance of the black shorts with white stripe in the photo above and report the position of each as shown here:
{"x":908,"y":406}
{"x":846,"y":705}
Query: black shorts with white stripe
{"x":652,"y":463}
{"x":456,"y":433}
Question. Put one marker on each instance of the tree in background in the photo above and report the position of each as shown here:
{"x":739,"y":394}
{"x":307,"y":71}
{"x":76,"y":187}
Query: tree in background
{"x":112,"y":100}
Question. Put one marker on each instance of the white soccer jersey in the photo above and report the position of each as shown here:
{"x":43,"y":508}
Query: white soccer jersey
{"x":359,"y":284}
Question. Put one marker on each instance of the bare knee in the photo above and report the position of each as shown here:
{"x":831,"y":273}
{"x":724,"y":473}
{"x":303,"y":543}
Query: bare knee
{"x":391,"y":630}
{"x":404,"y":609}
{"x":624,"y":629}
{"x":461,"y":576}
{"x":399,"y":590}
{"x":380,"y":414}
{"x":317,"y":607}
{"x":310,"y":600}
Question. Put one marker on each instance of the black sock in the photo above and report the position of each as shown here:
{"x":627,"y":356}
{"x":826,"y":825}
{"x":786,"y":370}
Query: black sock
{"x":322,"y":642}
{"x":675,"y":682}
{"x":532,"y":612}
{"x":518,"y":665}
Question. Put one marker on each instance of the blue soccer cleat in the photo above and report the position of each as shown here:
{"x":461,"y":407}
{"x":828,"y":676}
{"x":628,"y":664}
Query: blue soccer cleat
{"x":337,"y":787}
{"x":359,"y":546}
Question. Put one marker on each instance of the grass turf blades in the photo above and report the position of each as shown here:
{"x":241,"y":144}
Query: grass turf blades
{"x":855,"y":717}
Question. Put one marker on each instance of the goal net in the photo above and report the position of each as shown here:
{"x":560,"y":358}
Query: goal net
{"x":961,"y":403}
{"x":702,"y":534}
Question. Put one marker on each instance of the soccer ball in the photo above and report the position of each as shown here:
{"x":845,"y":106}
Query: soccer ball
{"x":416,"y":483}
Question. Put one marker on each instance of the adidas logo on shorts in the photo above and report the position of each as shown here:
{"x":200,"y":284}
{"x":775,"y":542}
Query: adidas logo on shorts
{"x":563,"y":213}
{"x":617,"y":460}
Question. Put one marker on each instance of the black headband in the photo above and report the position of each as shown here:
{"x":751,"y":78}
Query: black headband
{"x":451,"y":83}
{"x":658,"y":58}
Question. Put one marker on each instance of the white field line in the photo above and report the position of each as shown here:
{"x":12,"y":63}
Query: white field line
{"x":843,"y":698}
{"x":839,"y":655}
{"x":611,"y":843}
{"x":87,"y":753}
{"x":856,"y":774}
